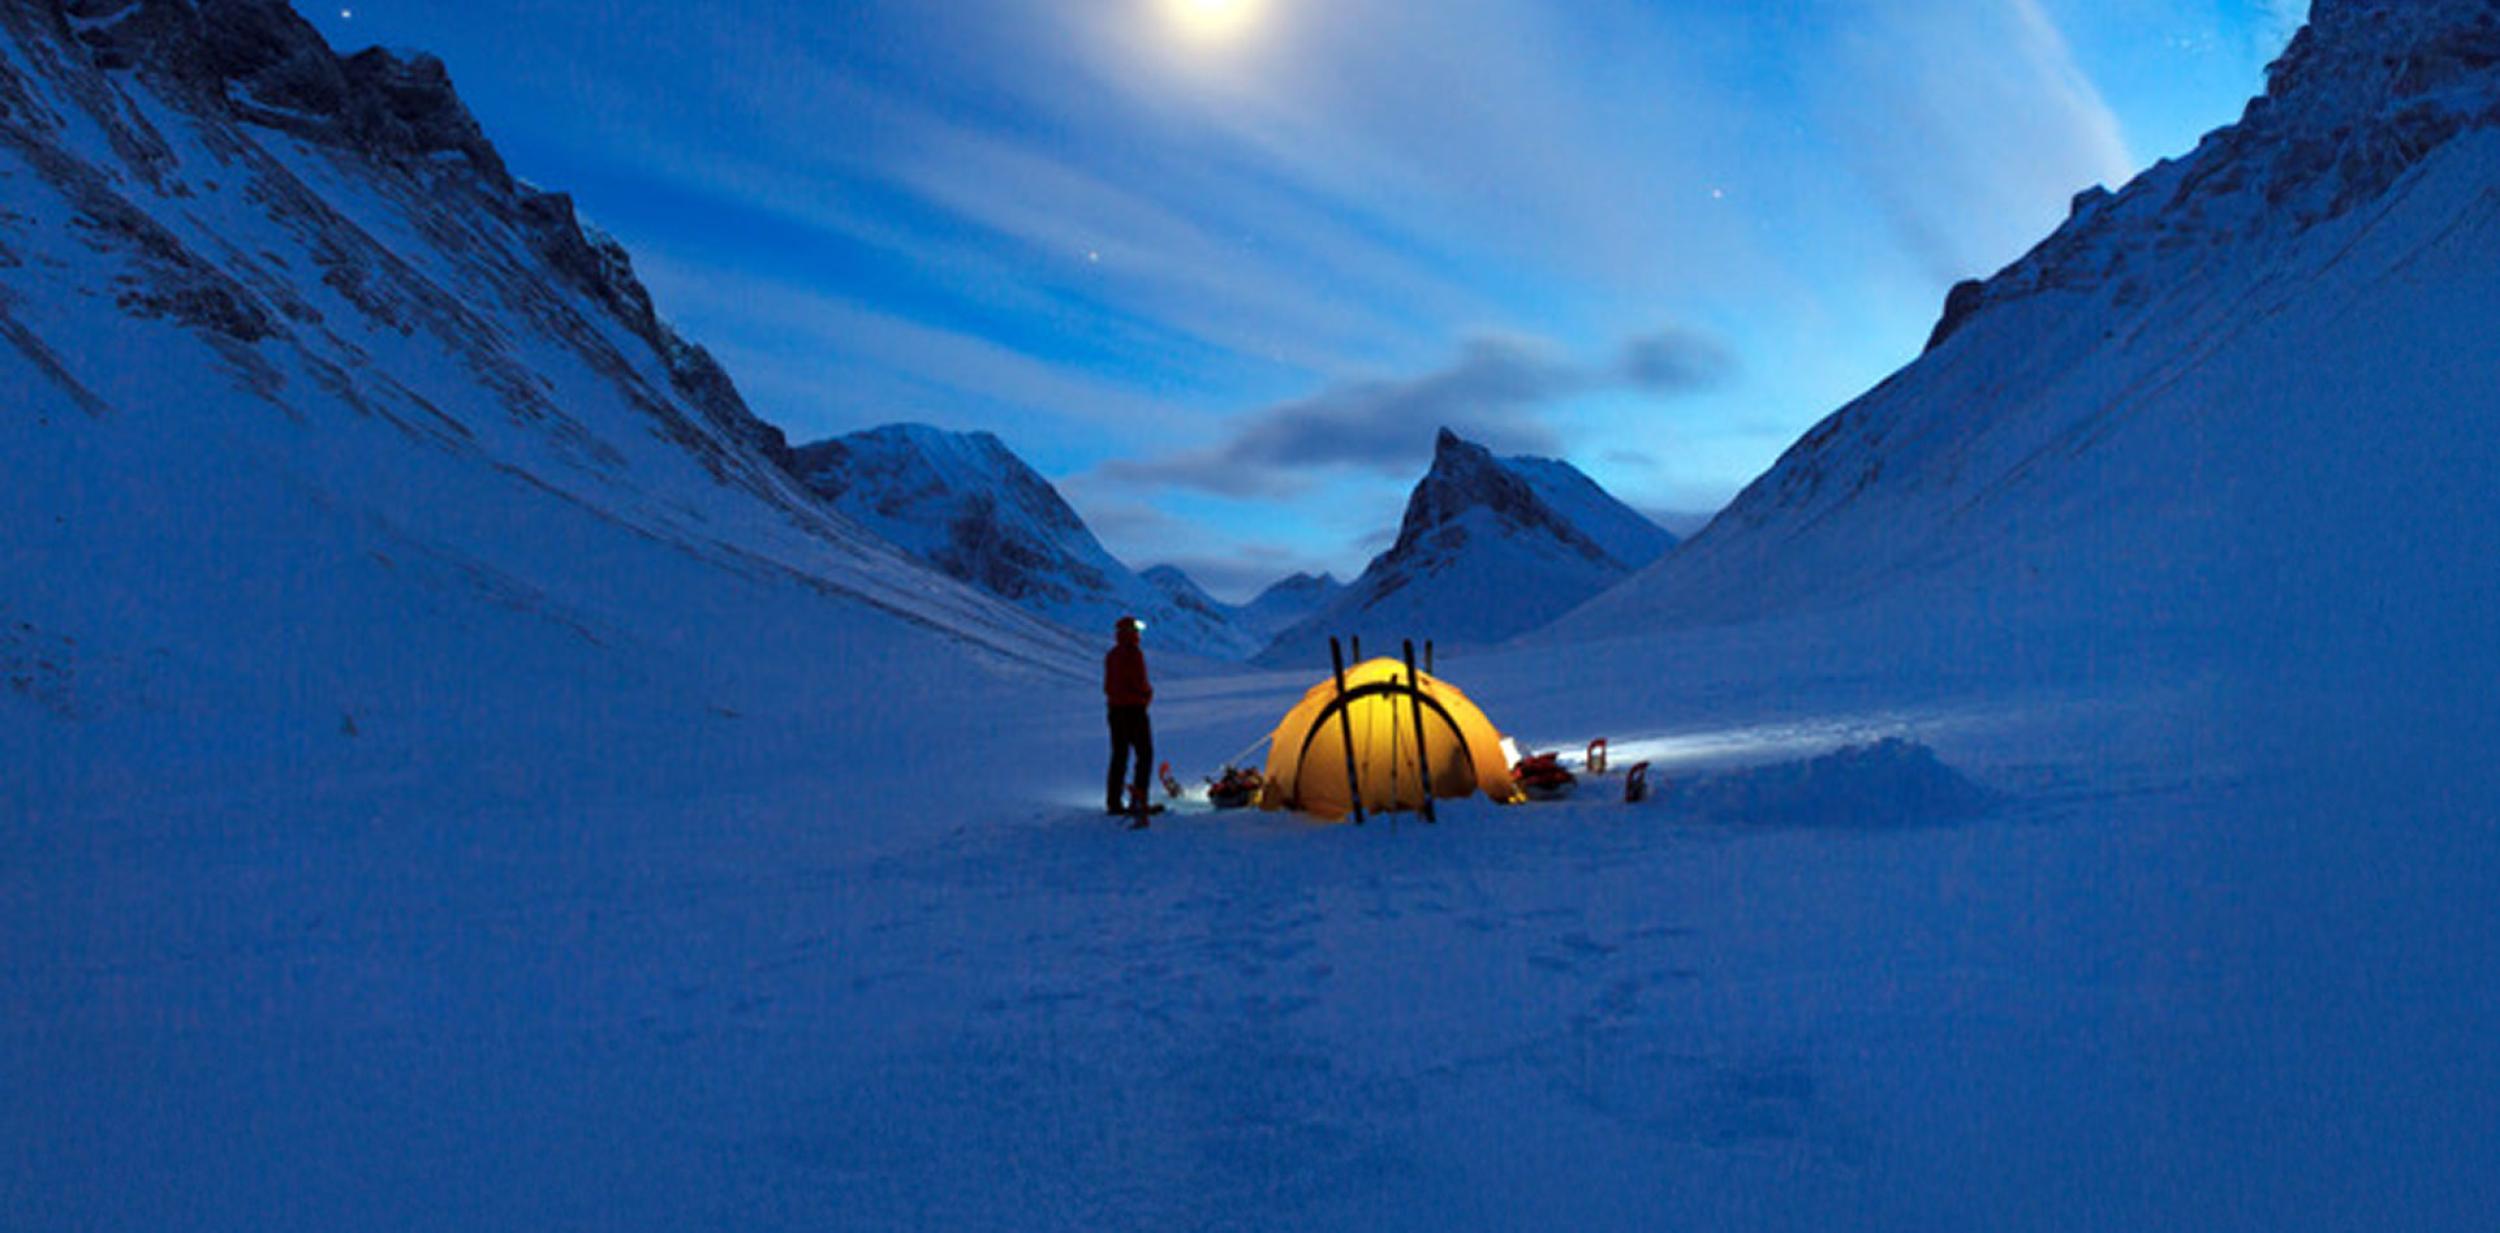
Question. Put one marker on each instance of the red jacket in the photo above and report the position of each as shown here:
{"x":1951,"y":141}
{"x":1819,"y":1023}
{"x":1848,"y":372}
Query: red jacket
{"x":1124,"y":673}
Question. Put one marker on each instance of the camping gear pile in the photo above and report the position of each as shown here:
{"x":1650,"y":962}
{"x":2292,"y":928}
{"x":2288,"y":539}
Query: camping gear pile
{"x":1236,"y":789}
{"x":1543,"y":777}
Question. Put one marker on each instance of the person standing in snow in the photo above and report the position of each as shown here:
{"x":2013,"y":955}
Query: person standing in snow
{"x":1127,"y":693}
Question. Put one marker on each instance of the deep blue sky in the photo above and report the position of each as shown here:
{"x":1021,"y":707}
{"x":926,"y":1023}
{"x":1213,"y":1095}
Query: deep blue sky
{"x":1222,"y":284}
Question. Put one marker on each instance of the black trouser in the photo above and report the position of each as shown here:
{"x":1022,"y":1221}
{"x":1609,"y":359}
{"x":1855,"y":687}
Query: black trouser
{"x":1130,"y":731}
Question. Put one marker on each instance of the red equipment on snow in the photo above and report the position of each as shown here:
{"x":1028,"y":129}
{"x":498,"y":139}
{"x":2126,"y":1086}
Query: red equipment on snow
{"x":1236,"y":789}
{"x":1171,"y":786}
{"x":1636,"y":784}
{"x":1596,"y":757}
{"x":1543,"y":777}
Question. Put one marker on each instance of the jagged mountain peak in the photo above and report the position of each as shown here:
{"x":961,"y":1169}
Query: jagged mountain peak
{"x":1489,"y":548}
{"x":1467,"y":477}
{"x":274,"y":68}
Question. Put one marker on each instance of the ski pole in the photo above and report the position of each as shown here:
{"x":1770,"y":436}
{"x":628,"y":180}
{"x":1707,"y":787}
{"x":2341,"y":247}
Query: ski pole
{"x":1423,"y":760}
{"x":1345,"y":721}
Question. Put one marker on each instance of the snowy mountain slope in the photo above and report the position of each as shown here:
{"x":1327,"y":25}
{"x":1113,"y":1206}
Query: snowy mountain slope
{"x":315,"y":411}
{"x":1185,"y":593}
{"x":1489,"y":548}
{"x":1626,"y":535}
{"x":968,"y":505}
{"x":1286,"y":603}
{"x":2101,"y":427}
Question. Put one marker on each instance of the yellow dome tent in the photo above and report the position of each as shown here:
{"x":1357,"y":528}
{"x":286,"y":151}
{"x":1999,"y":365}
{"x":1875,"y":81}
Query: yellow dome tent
{"x":1307,"y":763}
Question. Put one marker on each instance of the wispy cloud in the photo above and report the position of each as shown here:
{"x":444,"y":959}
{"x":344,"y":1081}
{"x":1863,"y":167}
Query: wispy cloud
{"x":830,"y":364}
{"x":1970,"y":125}
{"x":1053,"y":220}
{"x":1492,"y":393}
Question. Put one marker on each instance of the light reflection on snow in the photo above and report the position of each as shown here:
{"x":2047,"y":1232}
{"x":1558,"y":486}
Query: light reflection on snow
{"x":1711,"y":749}
{"x":1755,"y":745}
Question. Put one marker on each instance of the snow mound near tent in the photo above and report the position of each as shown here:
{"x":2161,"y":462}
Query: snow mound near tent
{"x":1889,"y":783}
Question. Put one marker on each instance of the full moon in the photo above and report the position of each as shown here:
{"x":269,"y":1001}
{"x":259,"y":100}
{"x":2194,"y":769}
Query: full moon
{"x":1212,"y":20}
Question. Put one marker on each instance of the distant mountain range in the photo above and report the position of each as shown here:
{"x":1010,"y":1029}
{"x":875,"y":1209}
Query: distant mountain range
{"x":1285,"y":604}
{"x":1489,"y":548}
{"x":968,"y":505}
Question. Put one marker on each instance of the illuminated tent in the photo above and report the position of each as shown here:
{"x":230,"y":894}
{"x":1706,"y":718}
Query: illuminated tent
{"x":1306,"y":761}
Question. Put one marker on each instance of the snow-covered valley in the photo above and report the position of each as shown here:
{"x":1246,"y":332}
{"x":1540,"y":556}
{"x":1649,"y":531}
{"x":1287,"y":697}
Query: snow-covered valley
{"x":770,"y":973}
{"x":427,"y":803}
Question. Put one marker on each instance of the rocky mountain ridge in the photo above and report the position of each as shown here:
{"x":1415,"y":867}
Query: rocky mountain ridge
{"x":1488,"y":548}
{"x":968,"y":505}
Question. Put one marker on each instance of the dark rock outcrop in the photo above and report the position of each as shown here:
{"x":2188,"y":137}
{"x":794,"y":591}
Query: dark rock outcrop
{"x":2364,"y":93}
{"x":1959,"y":304}
{"x":259,"y":63}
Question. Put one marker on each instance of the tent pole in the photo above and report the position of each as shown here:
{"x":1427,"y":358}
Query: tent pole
{"x":1423,"y":758}
{"x":1345,"y":720}
{"x":1428,"y":655}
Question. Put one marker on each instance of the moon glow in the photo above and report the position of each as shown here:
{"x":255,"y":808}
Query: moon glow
{"x":1212,"y":21}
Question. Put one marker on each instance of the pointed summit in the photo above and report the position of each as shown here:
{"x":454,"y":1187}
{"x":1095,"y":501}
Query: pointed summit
{"x":1489,"y":548}
{"x":1467,"y":477}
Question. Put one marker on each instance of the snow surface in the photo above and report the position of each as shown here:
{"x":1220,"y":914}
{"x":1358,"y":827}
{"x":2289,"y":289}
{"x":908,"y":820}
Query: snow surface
{"x":775,"y":972}
{"x":1623,"y":532}
{"x":2086,"y":823}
